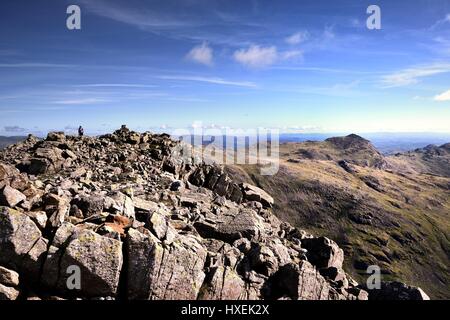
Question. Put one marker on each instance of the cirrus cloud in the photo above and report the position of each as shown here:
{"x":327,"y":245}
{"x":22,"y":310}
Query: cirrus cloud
{"x":413,"y":75}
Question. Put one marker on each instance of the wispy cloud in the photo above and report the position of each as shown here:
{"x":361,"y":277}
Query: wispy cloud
{"x":445,"y":96}
{"x":202,"y":54}
{"x":326,"y":70}
{"x":336,"y":90}
{"x":141,"y":16}
{"x":218,"y":81}
{"x":14,"y":129}
{"x":413,"y":75}
{"x":256,"y":56}
{"x":80,"y":101}
{"x":297,"y":38}
{"x":441,"y":22}
{"x":115,"y":85}
{"x":35,"y":65}
{"x":292,"y":54}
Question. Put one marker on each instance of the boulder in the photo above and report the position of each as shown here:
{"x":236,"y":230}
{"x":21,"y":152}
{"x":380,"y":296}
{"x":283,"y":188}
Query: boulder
{"x":9,"y":277}
{"x":39,"y":218}
{"x":39,"y":166}
{"x":323,"y":252}
{"x":158,"y":224}
{"x":99,"y":259}
{"x":22,"y":246}
{"x":246,"y":223}
{"x":11,"y":197}
{"x":397,"y":291}
{"x":157,"y":272}
{"x":299,"y":282}
{"x":145,"y":205}
{"x":122,"y":204}
{"x":51,"y":269}
{"x":19,"y":182}
{"x":336,"y":275}
{"x":223,"y":283}
{"x":47,"y":160}
{"x":8,"y":293}
{"x":7,"y":171}
{"x":57,"y":208}
{"x":263,"y":260}
{"x":89,"y":205}
{"x":56,"y":136}
{"x":252,"y":193}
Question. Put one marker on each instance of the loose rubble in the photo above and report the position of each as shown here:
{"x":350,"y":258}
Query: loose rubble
{"x":141,"y":222}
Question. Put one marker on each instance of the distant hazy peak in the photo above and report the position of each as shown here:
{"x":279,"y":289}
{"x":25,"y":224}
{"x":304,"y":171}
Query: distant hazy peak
{"x":350,"y":141}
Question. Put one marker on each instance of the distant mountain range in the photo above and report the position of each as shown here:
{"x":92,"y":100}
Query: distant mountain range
{"x":386,"y":143}
{"x":6,"y":141}
{"x":387,"y":210}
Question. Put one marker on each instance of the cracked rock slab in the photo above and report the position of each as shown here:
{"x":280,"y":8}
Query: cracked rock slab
{"x":99,"y":259}
{"x":21,"y":244}
{"x":160,"y":272}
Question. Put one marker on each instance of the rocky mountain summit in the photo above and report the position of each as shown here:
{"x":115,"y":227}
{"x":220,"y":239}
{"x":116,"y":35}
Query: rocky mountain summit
{"x":352,"y":148}
{"x":139,"y":221}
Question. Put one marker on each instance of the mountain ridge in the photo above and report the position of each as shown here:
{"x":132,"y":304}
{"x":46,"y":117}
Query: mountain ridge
{"x":392,"y":211}
{"x":137,"y":217}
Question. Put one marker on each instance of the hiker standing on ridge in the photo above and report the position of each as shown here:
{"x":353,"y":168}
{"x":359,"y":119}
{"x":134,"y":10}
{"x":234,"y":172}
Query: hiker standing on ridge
{"x":80,"y":131}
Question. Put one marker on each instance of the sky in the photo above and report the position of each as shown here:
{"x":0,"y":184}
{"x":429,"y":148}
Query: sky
{"x":296,"y":66}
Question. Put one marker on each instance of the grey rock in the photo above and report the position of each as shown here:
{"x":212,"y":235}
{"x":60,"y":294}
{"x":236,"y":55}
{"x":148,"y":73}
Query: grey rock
{"x":11,"y":197}
{"x":38,"y":217}
{"x":300,"y":282}
{"x":21,"y":243}
{"x":164,"y":273}
{"x":223,"y":283}
{"x":90,"y":205}
{"x":246,"y":223}
{"x":323,"y":252}
{"x":99,"y":259}
{"x":252,"y":193}
{"x":263,"y":260}
{"x":51,"y":267}
{"x":9,"y":277}
{"x":8,"y":293}
{"x":56,"y":136}
{"x":58,"y":208}
{"x":397,"y":291}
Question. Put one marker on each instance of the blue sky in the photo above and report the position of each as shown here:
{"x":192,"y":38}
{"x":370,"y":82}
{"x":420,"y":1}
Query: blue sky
{"x":300,"y":66}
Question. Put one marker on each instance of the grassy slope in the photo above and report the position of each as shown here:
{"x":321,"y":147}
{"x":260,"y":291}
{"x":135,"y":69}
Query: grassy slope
{"x":404,"y":227}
